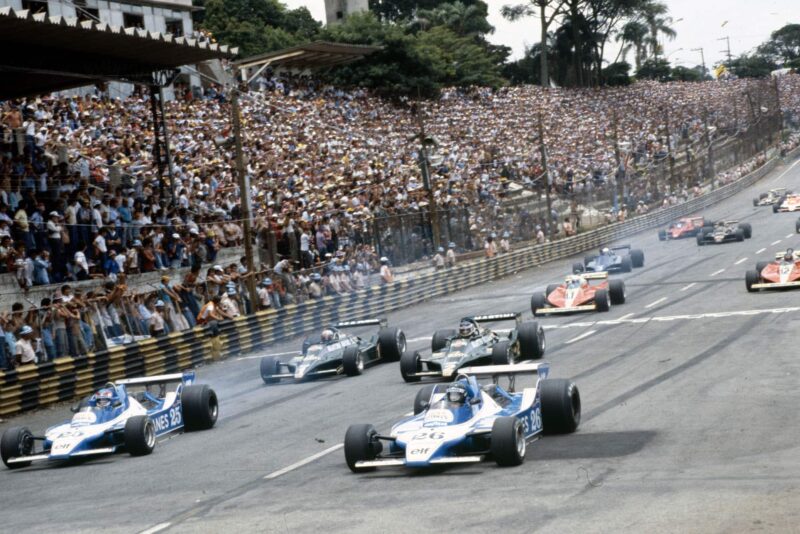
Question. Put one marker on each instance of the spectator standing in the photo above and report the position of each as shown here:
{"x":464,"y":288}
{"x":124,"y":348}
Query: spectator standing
{"x":387,"y":277}
{"x":25,"y":353}
{"x":450,"y":259}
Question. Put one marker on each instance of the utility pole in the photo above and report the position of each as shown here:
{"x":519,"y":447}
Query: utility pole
{"x":669,"y":153}
{"x":244,"y":191}
{"x":702,"y":59}
{"x":543,"y":149}
{"x":727,"y":51}
{"x":426,"y":179}
{"x":709,"y":147}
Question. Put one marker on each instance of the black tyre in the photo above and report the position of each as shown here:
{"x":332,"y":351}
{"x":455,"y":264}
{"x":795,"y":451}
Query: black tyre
{"x":200,"y":407}
{"x":602,"y":300}
{"x":409,"y":365}
{"x":16,"y":441}
{"x":637,"y":258}
{"x":578,"y":268}
{"x":551,"y":288}
{"x":747,"y":229}
{"x":270,"y":366}
{"x":662,"y":235}
{"x":538,"y":301}
{"x":501,"y":353}
{"x":626,"y":265}
{"x":139,"y":435}
{"x":707,"y":225}
{"x":797,"y":226}
{"x":531,"y":340}
{"x":561,"y":406}
{"x":755,"y":202}
{"x":739,"y":233}
{"x":761,"y":265}
{"x":422,"y":398}
{"x":775,"y":207}
{"x":352,"y":361}
{"x":360,"y":445}
{"x":750,"y":278}
{"x":440,"y":338}
{"x":701,"y":240}
{"x":391,"y":343}
{"x":616,"y":291}
{"x":508,"y":441}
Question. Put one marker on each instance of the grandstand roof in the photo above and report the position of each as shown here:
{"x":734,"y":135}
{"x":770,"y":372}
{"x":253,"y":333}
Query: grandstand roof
{"x":310,"y":56}
{"x":45,"y":54}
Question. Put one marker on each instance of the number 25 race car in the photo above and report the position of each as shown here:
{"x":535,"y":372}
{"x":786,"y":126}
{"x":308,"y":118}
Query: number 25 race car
{"x":117,"y":417}
{"x":465,"y":422}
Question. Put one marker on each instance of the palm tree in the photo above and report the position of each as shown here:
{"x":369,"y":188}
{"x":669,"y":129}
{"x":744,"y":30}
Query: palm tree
{"x":464,"y":20}
{"x":654,"y":16}
{"x":519,"y":11}
{"x":634,"y":36}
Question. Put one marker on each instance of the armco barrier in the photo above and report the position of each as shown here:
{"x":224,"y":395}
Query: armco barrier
{"x":67,"y":378}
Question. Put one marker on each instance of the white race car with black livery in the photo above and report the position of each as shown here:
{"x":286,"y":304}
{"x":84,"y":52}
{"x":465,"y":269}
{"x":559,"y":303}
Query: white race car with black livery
{"x":130,"y":414}
{"x":464,"y":422}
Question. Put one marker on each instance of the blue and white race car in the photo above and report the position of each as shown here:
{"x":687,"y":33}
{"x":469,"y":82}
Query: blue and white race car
{"x":128,"y":414}
{"x":621,"y":259}
{"x":464,"y":421}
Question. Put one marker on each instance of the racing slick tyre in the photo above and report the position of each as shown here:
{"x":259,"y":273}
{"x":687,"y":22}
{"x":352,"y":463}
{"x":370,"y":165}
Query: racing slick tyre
{"x":578,"y":268}
{"x":707,"y":224}
{"x":410,"y":365}
{"x":423,"y":397}
{"x":139,"y":435}
{"x":531,"y":340}
{"x":739,"y":233}
{"x":508,"y":441}
{"x":439,"y":339}
{"x":797,"y":226}
{"x":761,"y":265}
{"x":200,"y":407}
{"x":637,"y":258}
{"x":747,"y":229}
{"x":701,"y":239}
{"x":662,"y":235}
{"x":755,"y":202}
{"x":602,"y":300}
{"x":352,"y":361}
{"x":391,"y":343}
{"x":551,"y":288}
{"x":17,"y":441}
{"x":360,"y":445}
{"x":626,"y":264}
{"x":775,"y":207}
{"x":501,"y":353}
{"x":616,"y":291}
{"x":561,"y":406}
{"x":270,"y":366}
{"x":538,"y":301}
{"x":750,"y":278}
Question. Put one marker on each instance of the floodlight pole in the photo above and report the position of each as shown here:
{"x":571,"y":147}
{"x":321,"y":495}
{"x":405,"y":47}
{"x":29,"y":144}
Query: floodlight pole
{"x":426,"y":180}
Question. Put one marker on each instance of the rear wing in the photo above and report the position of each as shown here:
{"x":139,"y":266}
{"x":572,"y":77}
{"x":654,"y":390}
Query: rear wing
{"x":498,"y":317}
{"x":541,"y":369}
{"x":185,"y":377}
{"x":366,"y":322}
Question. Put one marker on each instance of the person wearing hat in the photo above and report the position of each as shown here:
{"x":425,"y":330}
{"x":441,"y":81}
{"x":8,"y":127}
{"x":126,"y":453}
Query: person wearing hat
{"x":55,"y":233}
{"x":438,"y":259}
{"x":25,"y":354}
{"x":387,"y":277}
{"x":315,"y":286}
{"x":157,"y":324}
{"x":450,"y":258}
{"x":228,"y":301}
{"x":505,"y":246}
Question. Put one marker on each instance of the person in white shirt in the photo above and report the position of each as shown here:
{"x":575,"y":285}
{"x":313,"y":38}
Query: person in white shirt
{"x":25,"y":353}
{"x":450,"y":258}
{"x":386,"y":272}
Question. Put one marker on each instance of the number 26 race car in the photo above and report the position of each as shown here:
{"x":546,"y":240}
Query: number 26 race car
{"x":465,"y":422}
{"x":118,"y":416}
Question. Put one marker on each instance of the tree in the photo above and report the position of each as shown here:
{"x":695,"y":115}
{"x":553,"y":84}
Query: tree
{"x":519,"y":11}
{"x":655,"y":69}
{"x":654,"y":15}
{"x":634,"y":36}
{"x":617,"y":74}
{"x":783,"y":46}
{"x":685,"y":74}
{"x":752,"y":66}
{"x":399,"y":10}
{"x":455,"y":60}
{"x":462,"y":19}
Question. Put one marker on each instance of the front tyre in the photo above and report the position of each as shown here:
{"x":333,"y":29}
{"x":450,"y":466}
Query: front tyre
{"x":422,"y":398}
{"x":410,"y":365}
{"x":561,"y":406}
{"x":16,"y":441}
{"x":538,"y":302}
{"x":508,"y":441}
{"x":200,"y":407}
{"x":361,"y":445}
{"x":637,"y":258}
{"x":616,"y":291}
{"x":269,"y":367}
{"x":751,"y":278}
{"x":602,"y":301}
{"x":139,"y":435}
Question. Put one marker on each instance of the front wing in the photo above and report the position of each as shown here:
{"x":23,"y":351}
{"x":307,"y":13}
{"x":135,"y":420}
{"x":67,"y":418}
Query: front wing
{"x":775,"y":285}
{"x":572,"y":309}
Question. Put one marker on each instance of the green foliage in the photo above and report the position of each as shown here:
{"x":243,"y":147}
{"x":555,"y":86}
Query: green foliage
{"x":398,"y":10}
{"x":752,"y":66}
{"x":783,"y":46}
{"x":462,"y":19}
{"x":617,"y":74}
{"x":655,"y":69}
{"x":685,"y":74}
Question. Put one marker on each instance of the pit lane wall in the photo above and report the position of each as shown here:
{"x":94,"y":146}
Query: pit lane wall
{"x":64,"y":379}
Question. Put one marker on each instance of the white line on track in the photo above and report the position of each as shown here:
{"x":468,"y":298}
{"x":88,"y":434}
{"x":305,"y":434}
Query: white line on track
{"x":759,"y":251}
{"x":415,"y":339}
{"x":582,"y":336}
{"x":265,"y":355}
{"x":789,"y":235}
{"x":626,"y":316}
{"x":781,"y":175}
{"x":301,"y":463}
{"x":740,"y":261}
{"x":684,"y":288}
{"x":158,"y":528}
{"x":715,"y":273}
{"x":659,"y":301}
{"x":775,"y":242}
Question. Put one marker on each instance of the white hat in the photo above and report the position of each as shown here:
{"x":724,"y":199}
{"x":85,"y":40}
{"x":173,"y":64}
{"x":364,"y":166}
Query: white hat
{"x":384,"y":259}
{"x":176,"y":236}
{"x":159,"y":304}
{"x":217,"y":267}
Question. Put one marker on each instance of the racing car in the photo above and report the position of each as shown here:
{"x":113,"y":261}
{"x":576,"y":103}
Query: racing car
{"x":334,"y":352}
{"x":130,"y":414}
{"x":771,"y":197}
{"x":724,"y":231}
{"x":576,"y":294}
{"x":464,"y":421}
{"x":685,"y":227}
{"x":610,"y":260}
{"x":784,"y":272}
{"x":471,"y":345}
{"x":789,"y":202}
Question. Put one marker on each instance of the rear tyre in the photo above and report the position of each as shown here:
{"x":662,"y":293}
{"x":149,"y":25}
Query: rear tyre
{"x":200,"y":407}
{"x":270,"y":366}
{"x":501,"y":353}
{"x":637,"y":258}
{"x":16,"y":441}
{"x":747,"y":229}
{"x":616,"y":291}
{"x":662,"y":235}
{"x":440,"y":338}
{"x":508,"y":441}
{"x":578,"y":268}
{"x":797,"y":226}
{"x":755,"y":202}
{"x":531,"y":340}
{"x":626,"y":265}
{"x":391,"y":343}
{"x":410,"y":365}
{"x":561,"y":406}
{"x":602,"y":301}
{"x":538,"y":301}
{"x":750,"y":278}
{"x":423,"y":397}
{"x":352,"y":361}
{"x":139,"y":435}
{"x":775,"y":207}
{"x":739,"y":234}
{"x":701,"y":239}
{"x":360,"y":445}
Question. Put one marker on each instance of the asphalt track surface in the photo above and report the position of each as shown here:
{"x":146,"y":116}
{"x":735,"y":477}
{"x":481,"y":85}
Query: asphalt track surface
{"x":690,"y":405}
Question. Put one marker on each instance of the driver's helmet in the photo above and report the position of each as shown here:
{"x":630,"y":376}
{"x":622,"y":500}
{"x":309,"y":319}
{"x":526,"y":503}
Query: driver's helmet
{"x":327,"y":335}
{"x":456,"y":393}
{"x":104,"y":397}
{"x":573,"y":281}
{"x":789,"y":256}
{"x":606,"y":251}
{"x":467,"y":328}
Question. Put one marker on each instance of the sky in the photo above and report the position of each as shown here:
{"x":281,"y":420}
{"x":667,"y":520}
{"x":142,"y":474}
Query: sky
{"x":699,"y":24}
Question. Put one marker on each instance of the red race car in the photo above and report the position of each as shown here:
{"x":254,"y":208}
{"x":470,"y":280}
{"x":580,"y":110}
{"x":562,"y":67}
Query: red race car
{"x":576,"y":294}
{"x":685,"y":227}
{"x":784,"y":272}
